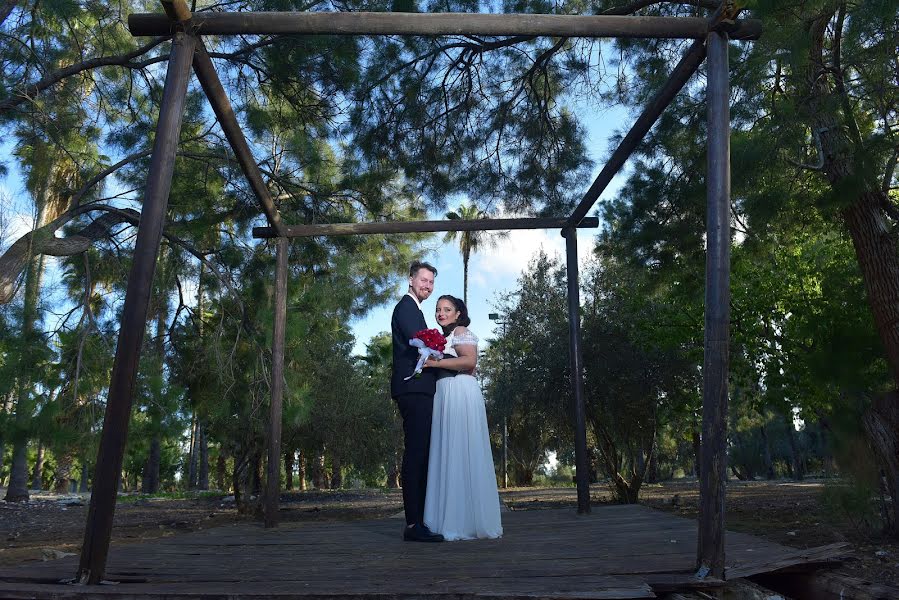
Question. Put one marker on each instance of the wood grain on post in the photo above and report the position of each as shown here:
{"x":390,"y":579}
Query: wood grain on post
{"x":388,"y":227}
{"x":273,"y":481}
{"x":98,"y":529}
{"x":436,"y":24}
{"x":581,"y":459}
{"x":713,"y":455}
{"x":176,"y":10}
{"x":221,"y":106}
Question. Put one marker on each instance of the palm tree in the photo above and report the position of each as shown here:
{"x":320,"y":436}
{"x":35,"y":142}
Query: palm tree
{"x":471,"y":241}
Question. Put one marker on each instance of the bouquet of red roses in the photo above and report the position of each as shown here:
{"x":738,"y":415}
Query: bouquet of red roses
{"x":430,"y":342}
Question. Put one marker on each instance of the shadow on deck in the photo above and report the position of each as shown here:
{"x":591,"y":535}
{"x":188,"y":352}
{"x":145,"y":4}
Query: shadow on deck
{"x":615,"y":552}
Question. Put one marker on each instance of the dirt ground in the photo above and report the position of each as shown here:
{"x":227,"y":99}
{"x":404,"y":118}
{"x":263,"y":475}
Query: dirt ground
{"x":789,"y":513}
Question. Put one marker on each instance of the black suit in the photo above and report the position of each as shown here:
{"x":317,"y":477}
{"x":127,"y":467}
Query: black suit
{"x":415,"y":399}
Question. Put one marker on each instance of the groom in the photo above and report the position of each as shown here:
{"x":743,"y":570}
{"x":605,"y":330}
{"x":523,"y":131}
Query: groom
{"x":415,"y":399}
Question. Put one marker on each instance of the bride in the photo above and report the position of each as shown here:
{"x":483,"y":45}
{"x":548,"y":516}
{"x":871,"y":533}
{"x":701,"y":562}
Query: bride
{"x":462,"y":501}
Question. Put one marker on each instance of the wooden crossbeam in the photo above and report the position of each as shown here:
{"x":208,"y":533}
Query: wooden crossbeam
{"x":435,"y":24}
{"x":420,"y":227}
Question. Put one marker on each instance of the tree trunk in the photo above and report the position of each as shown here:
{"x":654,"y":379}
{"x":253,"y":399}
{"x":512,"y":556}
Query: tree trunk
{"x":220,"y":467}
{"x":17,"y":490}
{"x":50,"y":174}
{"x":769,"y":462}
{"x":288,"y":470}
{"x":301,"y":474}
{"x":63,"y":476}
{"x":393,"y":473}
{"x":336,"y":472}
{"x":465,"y":276}
{"x":256,"y":473}
{"x":192,"y":456}
{"x":150,"y":483}
{"x":37,"y":475}
{"x":83,"y":484}
{"x":203,"y":472}
{"x":319,"y":474}
{"x":881,"y":422}
{"x":5,"y":409}
{"x":864,"y":217}
{"x":696,"y":439}
{"x":796,"y":458}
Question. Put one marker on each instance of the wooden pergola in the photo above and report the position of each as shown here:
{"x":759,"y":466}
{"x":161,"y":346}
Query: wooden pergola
{"x":187,"y":49}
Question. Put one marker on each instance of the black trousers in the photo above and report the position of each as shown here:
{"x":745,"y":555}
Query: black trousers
{"x":416,"y":410}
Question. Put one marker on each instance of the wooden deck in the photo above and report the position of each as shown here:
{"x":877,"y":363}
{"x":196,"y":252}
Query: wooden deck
{"x":616,"y":552}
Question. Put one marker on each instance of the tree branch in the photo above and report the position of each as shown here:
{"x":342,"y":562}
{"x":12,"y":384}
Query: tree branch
{"x":58,"y":75}
{"x":6,"y":9}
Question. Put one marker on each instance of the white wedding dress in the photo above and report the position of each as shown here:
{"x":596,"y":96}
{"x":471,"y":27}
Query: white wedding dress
{"x":462,"y":502}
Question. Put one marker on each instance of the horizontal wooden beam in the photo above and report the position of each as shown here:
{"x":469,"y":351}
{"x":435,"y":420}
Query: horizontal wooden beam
{"x":330,"y":229}
{"x":435,"y":24}
{"x":221,"y":106}
{"x":676,"y":81}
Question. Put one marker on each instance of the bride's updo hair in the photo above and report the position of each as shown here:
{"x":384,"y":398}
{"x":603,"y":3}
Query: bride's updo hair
{"x":463,"y":319}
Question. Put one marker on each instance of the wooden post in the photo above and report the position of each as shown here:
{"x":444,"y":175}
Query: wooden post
{"x":713,"y":463}
{"x":273,"y":481}
{"x":134,"y":314}
{"x":577,"y":373}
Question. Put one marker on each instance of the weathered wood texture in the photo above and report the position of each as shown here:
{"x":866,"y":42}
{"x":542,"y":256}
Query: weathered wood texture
{"x":327,"y":229}
{"x":713,"y":460}
{"x":434,"y":24}
{"x":615,"y":552}
{"x":176,"y":10}
{"x":273,"y":477}
{"x":134,"y":314}
{"x":576,"y":361}
{"x":221,"y":106}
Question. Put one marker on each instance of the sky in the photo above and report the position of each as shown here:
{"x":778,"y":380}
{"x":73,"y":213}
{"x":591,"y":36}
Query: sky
{"x":492,"y":272}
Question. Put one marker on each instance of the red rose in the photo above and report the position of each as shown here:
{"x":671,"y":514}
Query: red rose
{"x":432,"y":338}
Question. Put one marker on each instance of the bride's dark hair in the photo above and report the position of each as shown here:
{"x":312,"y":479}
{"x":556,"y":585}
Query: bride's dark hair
{"x":457,"y":303}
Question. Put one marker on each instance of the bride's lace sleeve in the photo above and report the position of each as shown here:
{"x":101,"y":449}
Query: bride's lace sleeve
{"x":465,"y":339}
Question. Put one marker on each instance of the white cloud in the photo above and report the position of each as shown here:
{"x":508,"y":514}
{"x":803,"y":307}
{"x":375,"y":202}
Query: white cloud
{"x":511,"y":256}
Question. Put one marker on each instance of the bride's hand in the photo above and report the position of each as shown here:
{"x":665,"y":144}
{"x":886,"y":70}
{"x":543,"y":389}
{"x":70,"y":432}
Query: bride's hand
{"x":431,"y":362}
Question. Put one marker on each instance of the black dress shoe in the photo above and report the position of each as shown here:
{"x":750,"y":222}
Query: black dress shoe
{"x":420,"y":533}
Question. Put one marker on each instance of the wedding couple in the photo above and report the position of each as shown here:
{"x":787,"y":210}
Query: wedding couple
{"x":449,"y":486}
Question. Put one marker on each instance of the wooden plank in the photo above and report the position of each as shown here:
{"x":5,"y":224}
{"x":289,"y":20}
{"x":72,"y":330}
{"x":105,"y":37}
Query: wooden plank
{"x":613,"y":551}
{"x":134,"y":314}
{"x":713,"y":455}
{"x":327,"y":229}
{"x":436,"y":24}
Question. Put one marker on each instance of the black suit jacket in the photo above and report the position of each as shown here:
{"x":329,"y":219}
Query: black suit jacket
{"x":406,"y":322}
